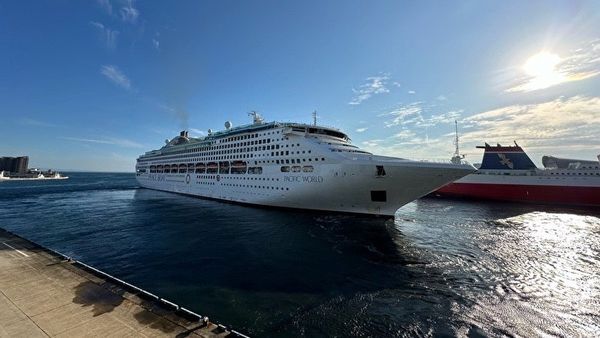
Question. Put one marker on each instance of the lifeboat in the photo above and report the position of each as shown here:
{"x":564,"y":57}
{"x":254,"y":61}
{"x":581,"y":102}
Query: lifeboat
{"x":212,"y":168}
{"x":238,"y":167}
{"x":224,"y":167}
{"x":200,"y":168}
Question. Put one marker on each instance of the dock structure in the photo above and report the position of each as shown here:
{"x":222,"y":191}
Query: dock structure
{"x":46,"y":294}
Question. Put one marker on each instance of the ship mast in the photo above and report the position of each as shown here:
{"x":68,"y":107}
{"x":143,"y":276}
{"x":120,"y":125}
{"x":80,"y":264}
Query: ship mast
{"x":457,"y":158}
{"x":314,"y":116}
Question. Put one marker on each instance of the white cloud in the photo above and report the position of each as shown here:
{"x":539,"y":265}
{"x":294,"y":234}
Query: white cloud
{"x":566,"y":126}
{"x":396,"y":84}
{"x":441,"y":98}
{"x":105,"y":5}
{"x":403,"y":112}
{"x":408,"y":145}
{"x":434,"y":120}
{"x":404,"y":134}
{"x":580,"y":64}
{"x":108,"y":140}
{"x":372,"y":143}
{"x":107,"y":35}
{"x":128,"y":12}
{"x":116,"y":76}
{"x":411,"y":92}
{"x":559,"y":124}
{"x":197,"y":132}
{"x":156,"y":43}
{"x":360,"y":130}
{"x":412,"y":115}
{"x":374,"y":85}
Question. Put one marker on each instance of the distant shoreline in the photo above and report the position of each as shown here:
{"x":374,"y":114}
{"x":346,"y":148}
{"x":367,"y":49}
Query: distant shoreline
{"x":96,"y":172}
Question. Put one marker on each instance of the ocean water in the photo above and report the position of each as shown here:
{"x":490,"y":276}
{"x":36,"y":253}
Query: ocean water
{"x":442,"y":268}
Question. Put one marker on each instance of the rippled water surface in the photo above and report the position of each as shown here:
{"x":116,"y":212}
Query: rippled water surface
{"x":443,"y":267}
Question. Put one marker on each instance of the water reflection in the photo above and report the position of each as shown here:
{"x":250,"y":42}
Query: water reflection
{"x":539,"y":274}
{"x":525,"y":270}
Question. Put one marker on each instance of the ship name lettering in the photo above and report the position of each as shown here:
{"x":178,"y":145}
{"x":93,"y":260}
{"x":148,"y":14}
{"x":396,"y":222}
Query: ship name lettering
{"x":303,"y":179}
{"x":312,"y":179}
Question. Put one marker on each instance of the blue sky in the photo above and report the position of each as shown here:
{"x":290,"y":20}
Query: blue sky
{"x":90,"y":85}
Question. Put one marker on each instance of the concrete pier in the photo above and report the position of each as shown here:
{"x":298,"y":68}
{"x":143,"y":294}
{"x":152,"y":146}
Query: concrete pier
{"x":43,"y":294}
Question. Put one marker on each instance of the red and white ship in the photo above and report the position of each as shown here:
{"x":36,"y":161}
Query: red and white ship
{"x":508,"y":174}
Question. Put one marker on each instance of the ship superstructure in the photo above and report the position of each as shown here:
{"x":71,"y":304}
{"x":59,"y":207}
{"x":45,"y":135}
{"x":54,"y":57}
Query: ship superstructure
{"x":290,"y":165}
{"x":508,"y":174}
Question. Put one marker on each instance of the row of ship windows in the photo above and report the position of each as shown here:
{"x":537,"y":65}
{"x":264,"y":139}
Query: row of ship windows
{"x":230,"y":157}
{"x":212,"y":177}
{"x":254,"y":186}
{"x":240,"y":151}
{"x":245,"y":137}
{"x":288,"y":161}
{"x":182,"y":169}
{"x":576,"y":174}
{"x":234,"y":145}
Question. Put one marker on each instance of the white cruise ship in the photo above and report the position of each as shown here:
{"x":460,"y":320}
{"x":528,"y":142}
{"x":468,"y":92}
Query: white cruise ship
{"x":291,"y":165}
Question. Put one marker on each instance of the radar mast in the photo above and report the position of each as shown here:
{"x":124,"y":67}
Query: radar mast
{"x":256,"y":118}
{"x":457,"y":158}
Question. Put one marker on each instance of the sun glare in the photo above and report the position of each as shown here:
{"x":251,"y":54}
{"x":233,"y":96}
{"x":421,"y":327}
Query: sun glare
{"x":542,"y":68}
{"x":541,"y":64}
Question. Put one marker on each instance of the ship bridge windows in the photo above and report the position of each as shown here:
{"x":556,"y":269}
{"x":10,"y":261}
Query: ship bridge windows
{"x":328,"y":132}
{"x":299,"y":129}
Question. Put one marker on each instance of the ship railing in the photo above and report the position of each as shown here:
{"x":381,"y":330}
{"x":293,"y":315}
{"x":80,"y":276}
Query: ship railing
{"x":444,"y":161}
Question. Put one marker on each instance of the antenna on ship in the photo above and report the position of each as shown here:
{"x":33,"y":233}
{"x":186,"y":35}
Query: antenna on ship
{"x":314,"y":115}
{"x":457,"y":158}
{"x":256,"y":118}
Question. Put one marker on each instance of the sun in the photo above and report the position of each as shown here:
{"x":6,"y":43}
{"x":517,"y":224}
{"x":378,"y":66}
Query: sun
{"x":543,"y":71}
{"x":541,"y":64}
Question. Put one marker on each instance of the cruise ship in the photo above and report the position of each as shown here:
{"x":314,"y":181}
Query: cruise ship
{"x":508,"y":174}
{"x":291,"y":165}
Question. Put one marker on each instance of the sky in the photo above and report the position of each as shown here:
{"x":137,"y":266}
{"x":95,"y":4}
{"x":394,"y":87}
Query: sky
{"x":91,"y":85}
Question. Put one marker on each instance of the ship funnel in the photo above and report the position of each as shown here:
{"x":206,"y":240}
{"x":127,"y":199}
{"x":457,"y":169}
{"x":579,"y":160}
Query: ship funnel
{"x":505,"y":158}
{"x":184,"y":133}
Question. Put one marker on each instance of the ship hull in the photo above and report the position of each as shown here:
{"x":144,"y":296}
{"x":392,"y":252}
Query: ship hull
{"x":573,"y":191}
{"x":348,"y":187}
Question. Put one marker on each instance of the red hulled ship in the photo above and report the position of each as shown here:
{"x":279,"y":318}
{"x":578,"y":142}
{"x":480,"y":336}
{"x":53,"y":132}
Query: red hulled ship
{"x":508,"y":174}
